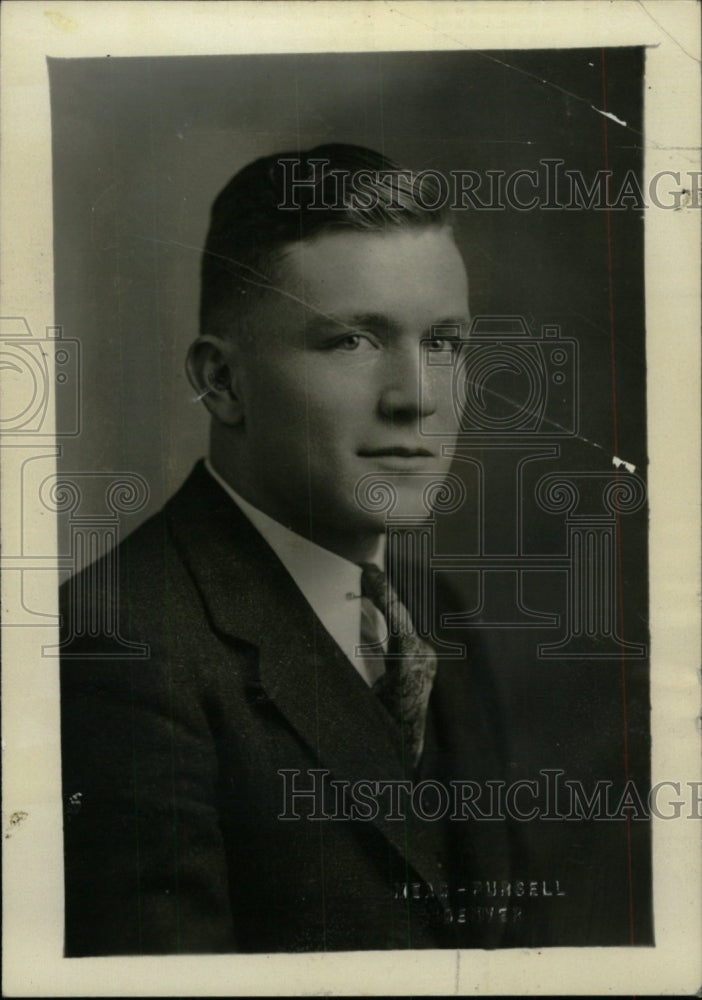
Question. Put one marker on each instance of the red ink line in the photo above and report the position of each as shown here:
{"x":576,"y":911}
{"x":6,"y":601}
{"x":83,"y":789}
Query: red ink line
{"x":615,"y":436}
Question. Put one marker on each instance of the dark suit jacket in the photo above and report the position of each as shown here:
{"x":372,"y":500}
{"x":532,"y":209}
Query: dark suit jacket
{"x":172,"y":790}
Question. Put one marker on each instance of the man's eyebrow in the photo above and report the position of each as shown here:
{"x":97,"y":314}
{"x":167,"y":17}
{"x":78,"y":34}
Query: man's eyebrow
{"x":451,"y":324}
{"x":323,"y":322}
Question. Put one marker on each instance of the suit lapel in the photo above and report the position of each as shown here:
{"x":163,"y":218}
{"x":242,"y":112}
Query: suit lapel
{"x":249,"y":595}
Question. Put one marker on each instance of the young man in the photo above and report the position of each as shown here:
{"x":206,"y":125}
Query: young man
{"x":248,"y":786}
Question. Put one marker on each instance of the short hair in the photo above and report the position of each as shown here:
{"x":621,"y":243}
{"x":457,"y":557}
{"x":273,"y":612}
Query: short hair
{"x":282,"y":199}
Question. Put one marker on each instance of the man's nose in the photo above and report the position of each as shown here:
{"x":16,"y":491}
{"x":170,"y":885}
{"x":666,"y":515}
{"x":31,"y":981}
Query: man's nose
{"x":408,"y":391}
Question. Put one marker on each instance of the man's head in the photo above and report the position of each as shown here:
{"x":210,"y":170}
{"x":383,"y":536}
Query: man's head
{"x":324,"y":279}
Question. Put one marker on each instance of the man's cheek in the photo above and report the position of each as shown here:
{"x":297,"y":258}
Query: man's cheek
{"x":286,"y":415}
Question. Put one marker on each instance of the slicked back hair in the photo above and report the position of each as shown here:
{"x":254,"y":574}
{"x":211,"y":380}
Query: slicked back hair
{"x":282,"y":199}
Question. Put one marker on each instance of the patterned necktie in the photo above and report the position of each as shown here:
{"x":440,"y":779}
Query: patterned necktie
{"x":410,"y":664}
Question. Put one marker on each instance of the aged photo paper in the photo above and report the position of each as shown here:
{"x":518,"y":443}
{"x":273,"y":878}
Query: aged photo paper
{"x":350,"y":498}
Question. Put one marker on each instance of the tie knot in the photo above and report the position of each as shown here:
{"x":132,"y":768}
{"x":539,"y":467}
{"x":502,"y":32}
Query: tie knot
{"x":374,"y":586}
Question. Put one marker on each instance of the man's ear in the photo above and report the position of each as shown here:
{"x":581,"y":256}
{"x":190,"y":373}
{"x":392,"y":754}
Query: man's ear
{"x":213,"y":375}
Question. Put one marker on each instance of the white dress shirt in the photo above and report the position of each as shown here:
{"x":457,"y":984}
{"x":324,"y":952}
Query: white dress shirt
{"x":330,"y":584}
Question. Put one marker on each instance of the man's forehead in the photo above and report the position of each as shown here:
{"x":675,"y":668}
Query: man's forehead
{"x":391,"y":243}
{"x":344,"y":271}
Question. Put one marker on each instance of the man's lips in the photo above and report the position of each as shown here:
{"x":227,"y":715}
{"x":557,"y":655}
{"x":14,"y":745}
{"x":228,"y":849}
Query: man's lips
{"x":397,"y":451}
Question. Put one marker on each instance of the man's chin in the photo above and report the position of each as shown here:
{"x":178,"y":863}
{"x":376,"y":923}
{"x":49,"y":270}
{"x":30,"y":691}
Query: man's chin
{"x":388,"y":496}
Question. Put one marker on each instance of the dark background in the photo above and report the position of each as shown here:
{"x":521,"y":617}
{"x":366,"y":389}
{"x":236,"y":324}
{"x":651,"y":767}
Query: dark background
{"x":141,"y":147}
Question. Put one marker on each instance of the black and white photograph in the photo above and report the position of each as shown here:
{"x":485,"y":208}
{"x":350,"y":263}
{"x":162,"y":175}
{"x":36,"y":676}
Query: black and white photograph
{"x":349,"y":430}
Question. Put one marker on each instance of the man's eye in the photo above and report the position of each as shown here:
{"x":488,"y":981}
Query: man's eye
{"x":436,"y":344}
{"x":352,"y":342}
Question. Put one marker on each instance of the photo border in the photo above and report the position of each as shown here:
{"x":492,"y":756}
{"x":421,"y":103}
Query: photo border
{"x":32,"y":816}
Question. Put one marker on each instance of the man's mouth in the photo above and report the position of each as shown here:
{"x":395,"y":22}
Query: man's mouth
{"x":397,"y":451}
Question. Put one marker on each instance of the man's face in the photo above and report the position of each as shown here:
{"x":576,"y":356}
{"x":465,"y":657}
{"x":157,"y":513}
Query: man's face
{"x":330,"y":379}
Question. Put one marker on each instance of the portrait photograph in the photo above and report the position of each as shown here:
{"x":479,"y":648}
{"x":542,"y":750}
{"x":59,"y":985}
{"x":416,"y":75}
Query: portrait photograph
{"x":350,"y":450}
